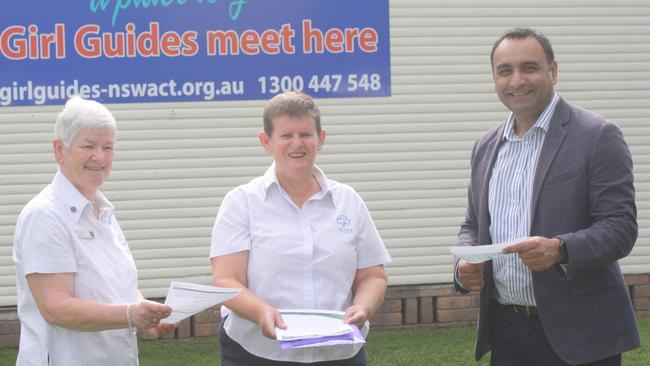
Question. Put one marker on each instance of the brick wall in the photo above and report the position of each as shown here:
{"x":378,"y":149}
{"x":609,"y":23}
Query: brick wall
{"x":404,"y":307}
{"x":441,"y":306}
{"x":9,"y":327}
{"x":640,"y":291}
{"x":425,"y":306}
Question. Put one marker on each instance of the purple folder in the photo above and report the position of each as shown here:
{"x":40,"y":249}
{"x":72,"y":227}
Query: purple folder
{"x":349,"y":338}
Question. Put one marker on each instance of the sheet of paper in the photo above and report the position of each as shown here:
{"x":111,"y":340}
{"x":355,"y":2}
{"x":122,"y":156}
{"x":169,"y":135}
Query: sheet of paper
{"x":481,"y":253}
{"x":187,"y":299}
{"x":312,"y":324}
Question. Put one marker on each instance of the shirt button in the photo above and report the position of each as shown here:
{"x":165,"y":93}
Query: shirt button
{"x":73,"y":209}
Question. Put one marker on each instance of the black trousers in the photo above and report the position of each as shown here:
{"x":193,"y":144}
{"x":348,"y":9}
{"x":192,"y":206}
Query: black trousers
{"x":233,"y":354}
{"x":519,"y":340}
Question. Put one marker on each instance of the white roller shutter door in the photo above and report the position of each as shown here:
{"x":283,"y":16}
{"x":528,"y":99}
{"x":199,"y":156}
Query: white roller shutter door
{"x":407,"y":155}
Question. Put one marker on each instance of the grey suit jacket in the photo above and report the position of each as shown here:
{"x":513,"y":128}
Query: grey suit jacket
{"x":583,"y":192}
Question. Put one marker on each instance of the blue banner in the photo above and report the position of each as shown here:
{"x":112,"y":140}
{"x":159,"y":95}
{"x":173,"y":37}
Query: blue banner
{"x":134,"y":51}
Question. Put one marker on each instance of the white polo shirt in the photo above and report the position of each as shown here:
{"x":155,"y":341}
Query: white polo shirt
{"x":304,"y":258}
{"x":56,"y":232}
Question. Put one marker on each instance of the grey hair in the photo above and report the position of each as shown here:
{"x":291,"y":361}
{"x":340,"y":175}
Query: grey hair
{"x":79,"y":114}
{"x":292,"y":104}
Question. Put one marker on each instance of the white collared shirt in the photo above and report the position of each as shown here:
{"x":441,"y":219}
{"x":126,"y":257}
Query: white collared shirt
{"x":304,"y":258}
{"x":57,"y":232}
{"x":510,"y":199}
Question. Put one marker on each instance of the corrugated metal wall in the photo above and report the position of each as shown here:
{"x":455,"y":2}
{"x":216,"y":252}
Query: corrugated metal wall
{"x":408,"y":155}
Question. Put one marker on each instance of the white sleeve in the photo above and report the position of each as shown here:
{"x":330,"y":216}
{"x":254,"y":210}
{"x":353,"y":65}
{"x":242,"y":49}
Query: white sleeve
{"x":231,"y":231}
{"x":370,"y":248}
{"x":45,"y":243}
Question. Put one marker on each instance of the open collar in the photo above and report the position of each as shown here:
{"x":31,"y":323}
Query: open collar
{"x":75,"y":202}
{"x":270,"y":178}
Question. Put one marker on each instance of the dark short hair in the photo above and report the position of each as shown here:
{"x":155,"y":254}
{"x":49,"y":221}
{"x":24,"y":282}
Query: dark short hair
{"x":292,"y":104}
{"x":521,"y":33}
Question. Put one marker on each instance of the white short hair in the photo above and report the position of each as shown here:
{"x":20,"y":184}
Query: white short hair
{"x":78,"y":114}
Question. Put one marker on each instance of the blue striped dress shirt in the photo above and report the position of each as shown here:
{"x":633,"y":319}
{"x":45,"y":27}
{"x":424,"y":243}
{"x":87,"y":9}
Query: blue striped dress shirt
{"x":510,"y":196}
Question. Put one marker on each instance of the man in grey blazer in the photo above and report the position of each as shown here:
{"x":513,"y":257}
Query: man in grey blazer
{"x":555,"y":180}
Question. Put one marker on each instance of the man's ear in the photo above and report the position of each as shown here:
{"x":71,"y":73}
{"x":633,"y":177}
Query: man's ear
{"x":553,"y":71}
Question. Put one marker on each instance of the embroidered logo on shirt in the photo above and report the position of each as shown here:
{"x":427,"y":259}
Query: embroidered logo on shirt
{"x":343,"y":224}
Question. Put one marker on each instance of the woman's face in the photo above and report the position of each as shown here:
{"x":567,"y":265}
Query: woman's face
{"x":294,"y":144}
{"x":88,"y":160}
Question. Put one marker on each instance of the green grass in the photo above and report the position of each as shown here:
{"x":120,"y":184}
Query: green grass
{"x":412,"y":347}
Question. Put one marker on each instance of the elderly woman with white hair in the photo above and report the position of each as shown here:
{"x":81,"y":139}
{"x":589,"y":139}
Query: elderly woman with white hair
{"x":78,"y":299}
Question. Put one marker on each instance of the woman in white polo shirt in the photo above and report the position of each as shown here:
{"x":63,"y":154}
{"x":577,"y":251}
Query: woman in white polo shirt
{"x":78,"y":300}
{"x":294,"y":239}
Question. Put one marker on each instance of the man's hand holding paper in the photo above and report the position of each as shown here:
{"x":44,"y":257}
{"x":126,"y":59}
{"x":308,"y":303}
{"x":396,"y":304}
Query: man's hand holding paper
{"x":479,"y":253}
{"x":470,"y":275}
{"x":538,"y":253}
{"x":472,"y":259}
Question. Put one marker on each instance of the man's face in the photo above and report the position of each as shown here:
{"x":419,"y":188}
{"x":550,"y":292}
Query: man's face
{"x":89,"y":159}
{"x":293,"y":143}
{"x":523,"y":78}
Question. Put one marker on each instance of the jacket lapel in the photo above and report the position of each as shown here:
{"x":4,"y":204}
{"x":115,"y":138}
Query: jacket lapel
{"x":552,"y":142}
{"x":491,"y":154}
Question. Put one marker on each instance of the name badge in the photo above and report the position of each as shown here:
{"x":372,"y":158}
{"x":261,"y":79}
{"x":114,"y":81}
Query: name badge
{"x":85,"y":234}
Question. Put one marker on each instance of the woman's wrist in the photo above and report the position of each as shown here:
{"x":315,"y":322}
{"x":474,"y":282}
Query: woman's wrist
{"x":132,"y":328}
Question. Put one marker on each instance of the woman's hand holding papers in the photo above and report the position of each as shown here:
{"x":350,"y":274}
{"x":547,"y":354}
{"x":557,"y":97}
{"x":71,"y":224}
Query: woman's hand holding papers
{"x":369,"y":288}
{"x":268,"y":319}
{"x":147,"y":316}
{"x":356,"y":314}
{"x":230,"y":271}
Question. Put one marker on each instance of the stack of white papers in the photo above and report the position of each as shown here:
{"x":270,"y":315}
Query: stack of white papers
{"x":187,"y":299}
{"x":316,"y":328}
